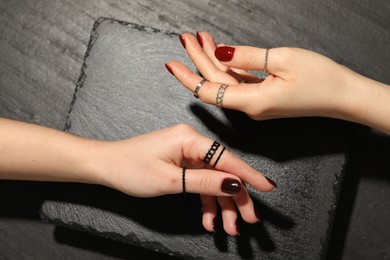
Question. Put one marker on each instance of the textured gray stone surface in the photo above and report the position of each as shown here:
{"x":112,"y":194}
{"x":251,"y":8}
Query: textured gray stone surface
{"x":124,"y":90}
{"x":42,"y":46}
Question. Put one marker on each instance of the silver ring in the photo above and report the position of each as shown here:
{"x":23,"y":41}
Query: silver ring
{"x":220,"y":94}
{"x":198,"y":87}
{"x":266,"y":60}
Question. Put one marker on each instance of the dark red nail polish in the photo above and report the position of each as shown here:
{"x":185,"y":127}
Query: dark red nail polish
{"x":224,"y":53}
{"x":199,"y":39}
{"x":258,"y":216}
{"x":237,"y":227}
{"x":169,"y":68}
{"x":272,"y":182}
{"x":183,"y":41}
{"x":231,"y":186}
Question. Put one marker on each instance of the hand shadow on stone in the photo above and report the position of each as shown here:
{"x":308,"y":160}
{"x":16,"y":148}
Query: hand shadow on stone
{"x":170,"y":215}
{"x":278,"y":139}
{"x":258,"y":231}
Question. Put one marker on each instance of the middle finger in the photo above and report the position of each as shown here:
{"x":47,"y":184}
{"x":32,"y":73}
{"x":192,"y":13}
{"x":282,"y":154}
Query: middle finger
{"x":203,"y":63}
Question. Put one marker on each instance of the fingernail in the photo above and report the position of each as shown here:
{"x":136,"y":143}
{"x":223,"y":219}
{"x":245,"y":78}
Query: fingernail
{"x":214,"y":224}
{"x":199,"y":39}
{"x":237,"y":227}
{"x":272,"y":182}
{"x":258,"y":216}
{"x":183,"y":41}
{"x":169,"y":69}
{"x":231,"y":186}
{"x":224,"y":53}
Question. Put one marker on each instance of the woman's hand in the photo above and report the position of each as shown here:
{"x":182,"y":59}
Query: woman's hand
{"x":151,"y":165}
{"x":144,"y":166}
{"x":300,"y":83}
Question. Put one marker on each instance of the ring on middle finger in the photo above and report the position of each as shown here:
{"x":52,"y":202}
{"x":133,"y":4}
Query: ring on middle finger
{"x":220,"y":94}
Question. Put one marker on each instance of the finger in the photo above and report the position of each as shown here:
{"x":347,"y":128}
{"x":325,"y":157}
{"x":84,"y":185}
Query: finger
{"x":229,"y":215}
{"x":206,"y":40}
{"x":234,"y":165}
{"x":245,"y":205}
{"x":197,"y":147}
{"x":225,"y":161}
{"x":234,"y":98}
{"x":194,"y":149}
{"x":203,"y":63}
{"x":208,"y":44}
{"x":210,"y":182}
{"x":209,"y":212}
{"x":248,"y":58}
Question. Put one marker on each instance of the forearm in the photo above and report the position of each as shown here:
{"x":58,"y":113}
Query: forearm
{"x":31,"y":152}
{"x":367,"y":102}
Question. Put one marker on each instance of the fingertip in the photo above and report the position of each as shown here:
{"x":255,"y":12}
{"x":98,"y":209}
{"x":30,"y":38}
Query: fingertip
{"x":224,"y":53}
{"x":273,"y":184}
{"x":199,"y":37}
{"x":209,"y":212}
{"x":209,"y":224}
{"x":253,"y":218}
{"x":232,"y":229}
{"x":169,"y":69}
{"x":231,"y":186}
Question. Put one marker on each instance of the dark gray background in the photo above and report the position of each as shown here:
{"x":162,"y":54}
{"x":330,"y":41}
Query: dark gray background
{"x":42,"y":45}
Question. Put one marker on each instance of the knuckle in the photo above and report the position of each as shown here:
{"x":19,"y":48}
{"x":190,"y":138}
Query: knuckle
{"x":185,"y":134}
{"x":255,"y":113}
{"x":183,"y":129}
{"x":250,"y":60}
{"x":285,"y":55}
{"x":206,"y":182}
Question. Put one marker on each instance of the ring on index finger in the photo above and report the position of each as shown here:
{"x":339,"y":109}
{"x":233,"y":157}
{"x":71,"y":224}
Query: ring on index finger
{"x":200,"y":84}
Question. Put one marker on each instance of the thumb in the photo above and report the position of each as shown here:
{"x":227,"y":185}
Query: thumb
{"x":210,"y":182}
{"x":247,"y":58}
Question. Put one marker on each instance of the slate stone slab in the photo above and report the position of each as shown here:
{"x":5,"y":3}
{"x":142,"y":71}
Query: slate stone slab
{"x":124,"y":90}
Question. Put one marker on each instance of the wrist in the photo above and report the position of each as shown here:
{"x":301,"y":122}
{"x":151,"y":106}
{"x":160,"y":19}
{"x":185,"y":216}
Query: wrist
{"x":348,"y":94}
{"x":95,"y":164}
{"x":365,"y":101}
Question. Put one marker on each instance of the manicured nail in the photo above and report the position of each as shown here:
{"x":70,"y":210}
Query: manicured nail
{"x":224,"y":53}
{"x":237,"y":227}
{"x":214,"y":224}
{"x":199,"y":39}
{"x":169,"y":68}
{"x":183,"y":41}
{"x":231,"y":186}
{"x":258,"y":216}
{"x":272,"y":182}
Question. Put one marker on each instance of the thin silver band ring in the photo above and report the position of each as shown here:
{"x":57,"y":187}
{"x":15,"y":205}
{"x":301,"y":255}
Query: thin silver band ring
{"x":266,"y":60}
{"x":198,"y":87}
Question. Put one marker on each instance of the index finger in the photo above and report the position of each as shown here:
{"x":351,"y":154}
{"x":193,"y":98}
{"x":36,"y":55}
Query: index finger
{"x":234,"y":165}
{"x":225,"y":161}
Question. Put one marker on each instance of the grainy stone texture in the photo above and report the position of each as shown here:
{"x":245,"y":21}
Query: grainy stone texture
{"x":42,"y":45}
{"x":125,"y":90}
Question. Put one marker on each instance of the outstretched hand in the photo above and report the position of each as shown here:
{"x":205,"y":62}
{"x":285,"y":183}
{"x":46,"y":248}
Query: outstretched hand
{"x":152,"y":165}
{"x":300,"y":82}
